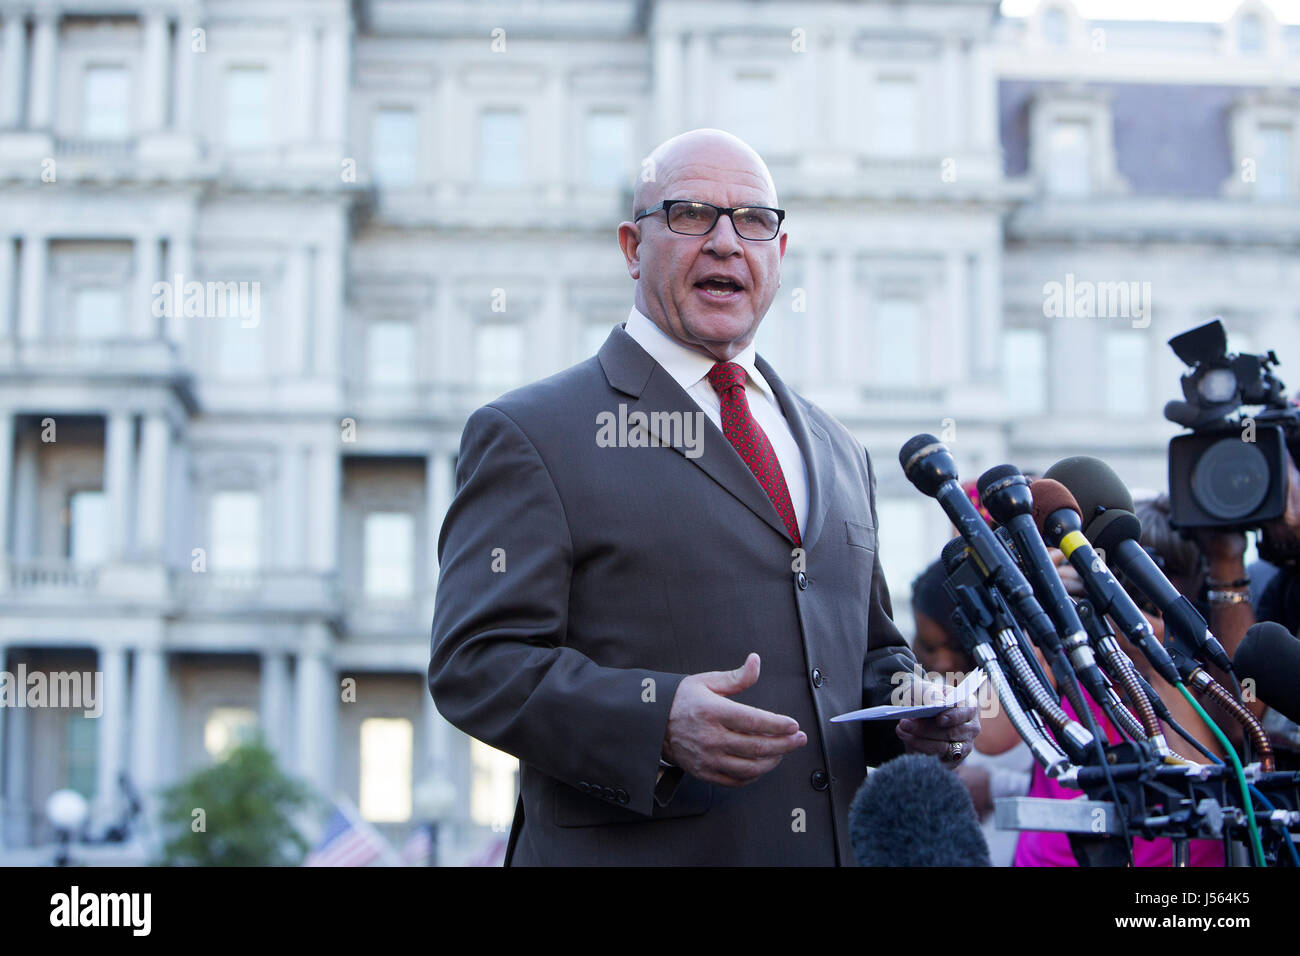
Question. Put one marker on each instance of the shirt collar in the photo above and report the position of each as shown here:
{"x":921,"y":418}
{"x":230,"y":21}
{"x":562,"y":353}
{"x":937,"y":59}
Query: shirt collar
{"x":685,"y":365}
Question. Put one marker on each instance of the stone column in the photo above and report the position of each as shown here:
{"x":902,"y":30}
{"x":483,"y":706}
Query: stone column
{"x":439,"y":485}
{"x":957,"y":329}
{"x":186,"y":65}
{"x":15,"y":69}
{"x":334,"y":85}
{"x":330,"y":261}
{"x":294,"y":313}
{"x":151,"y":508}
{"x":17,"y":760}
{"x":8,"y":275}
{"x":667,"y":84}
{"x":302,"y":120}
{"x":952,"y":138}
{"x":118,"y":441}
{"x":317,"y":709}
{"x":179,"y":265}
{"x":323,"y":482}
{"x":142,"y":323}
{"x":274,"y":704}
{"x":112,"y":733}
{"x":291,"y":495}
{"x":151,"y":93}
{"x":31,"y":305}
{"x":45,"y":41}
{"x":846,"y":360}
{"x":147,"y":692}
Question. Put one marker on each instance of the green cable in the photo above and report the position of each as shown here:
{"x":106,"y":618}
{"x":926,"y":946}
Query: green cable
{"x":1256,"y":844}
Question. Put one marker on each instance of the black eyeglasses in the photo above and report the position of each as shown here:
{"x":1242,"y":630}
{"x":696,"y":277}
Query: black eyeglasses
{"x":690,"y":218}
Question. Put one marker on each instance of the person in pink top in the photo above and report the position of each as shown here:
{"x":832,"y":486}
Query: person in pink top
{"x":1035,"y":848}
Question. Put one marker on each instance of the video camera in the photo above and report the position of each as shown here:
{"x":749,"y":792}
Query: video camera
{"x":1230,"y":472}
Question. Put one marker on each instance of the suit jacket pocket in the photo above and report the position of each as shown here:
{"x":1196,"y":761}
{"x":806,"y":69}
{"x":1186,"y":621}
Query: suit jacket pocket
{"x":573,"y":808}
{"x":860,"y":535}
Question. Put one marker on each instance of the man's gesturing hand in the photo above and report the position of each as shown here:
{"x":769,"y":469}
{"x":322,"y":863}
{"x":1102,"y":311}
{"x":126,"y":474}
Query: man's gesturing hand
{"x":723,"y":741}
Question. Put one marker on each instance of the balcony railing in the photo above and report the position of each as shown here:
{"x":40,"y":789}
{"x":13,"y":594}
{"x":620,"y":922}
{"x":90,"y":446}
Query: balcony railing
{"x":88,"y":148}
{"x":52,"y":576}
{"x":120,"y":356}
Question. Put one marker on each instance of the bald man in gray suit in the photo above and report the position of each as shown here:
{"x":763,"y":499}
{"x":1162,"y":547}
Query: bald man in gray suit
{"x":628,"y":530}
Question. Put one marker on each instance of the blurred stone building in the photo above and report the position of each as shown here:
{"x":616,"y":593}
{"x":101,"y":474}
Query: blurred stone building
{"x":260,"y":260}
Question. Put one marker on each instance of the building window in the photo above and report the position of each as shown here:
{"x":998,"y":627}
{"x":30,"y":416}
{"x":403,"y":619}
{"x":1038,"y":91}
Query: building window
{"x":80,"y":753}
{"x":1024,"y":373}
{"x":499,"y":355}
{"x":494,"y":785}
{"x":752,"y":107}
{"x":235,"y":531}
{"x":1068,"y":158}
{"x":389,"y":555}
{"x":387,"y":756}
{"x":97,"y":314}
{"x":390,"y":351}
{"x":240,"y":354}
{"x":895,"y":116}
{"x":1273,"y":168}
{"x":501,"y":147}
{"x":248,"y":107}
{"x":106,"y":102}
{"x":87,"y":527}
{"x":227,"y":728}
{"x":1127,"y":394}
{"x":898,"y":342}
{"x":1250,"y":34}
{"x":394,"y":146}
{"x":1056,"y":27}
{"x":905,"y":551}
{"x":606,"y":149}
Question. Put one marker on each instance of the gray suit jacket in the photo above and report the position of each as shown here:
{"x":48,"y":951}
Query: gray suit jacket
{"x":627,"y":568}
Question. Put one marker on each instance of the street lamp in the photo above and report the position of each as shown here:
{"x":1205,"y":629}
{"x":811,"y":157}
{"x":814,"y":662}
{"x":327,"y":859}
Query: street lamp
{"x":67,"y":811}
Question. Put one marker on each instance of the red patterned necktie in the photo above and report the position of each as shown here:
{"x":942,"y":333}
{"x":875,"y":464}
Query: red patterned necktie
{"x":738,"y":424}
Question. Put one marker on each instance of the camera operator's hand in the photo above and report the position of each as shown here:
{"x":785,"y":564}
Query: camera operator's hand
{"x":1285,"y":531}
{"x":1225,"y":552}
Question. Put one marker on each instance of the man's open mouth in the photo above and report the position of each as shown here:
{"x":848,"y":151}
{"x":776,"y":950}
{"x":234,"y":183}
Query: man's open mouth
{"x":718,"y":288}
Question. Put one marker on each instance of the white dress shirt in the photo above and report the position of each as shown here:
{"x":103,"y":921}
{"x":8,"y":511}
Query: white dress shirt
{"x":690,"y":370}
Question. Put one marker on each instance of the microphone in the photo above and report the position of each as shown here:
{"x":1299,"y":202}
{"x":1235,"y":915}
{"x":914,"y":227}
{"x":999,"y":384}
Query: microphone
{"x":928,"y":464}
{"x":1005,"y":494}
{"x":976,"y":620}
{"x":1270,"y":656}
{"x":1107,"y":506}
{"x":913,"y":812}
{"x":1058,"y":518}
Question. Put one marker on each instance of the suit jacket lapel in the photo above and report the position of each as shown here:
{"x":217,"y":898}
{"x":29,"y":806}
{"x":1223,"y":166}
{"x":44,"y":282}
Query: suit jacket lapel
{"x":814,"y":444}
{"x":630,"y":369}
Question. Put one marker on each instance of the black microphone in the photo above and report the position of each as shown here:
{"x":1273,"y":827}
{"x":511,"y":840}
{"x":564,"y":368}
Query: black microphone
{"x":1058,"y":518}
{"x":913,"y":812}
{"x":928,"y":464}
{"x":1005,"y":494}
{"x":1270,"y":656}
{"x":1112,"y":527}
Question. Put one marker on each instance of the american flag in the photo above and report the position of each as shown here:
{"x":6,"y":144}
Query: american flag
{"x":418,"y":850}
{"x":348,"y":841}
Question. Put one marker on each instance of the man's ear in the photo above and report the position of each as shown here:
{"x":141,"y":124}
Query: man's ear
{"x":629,"y":240}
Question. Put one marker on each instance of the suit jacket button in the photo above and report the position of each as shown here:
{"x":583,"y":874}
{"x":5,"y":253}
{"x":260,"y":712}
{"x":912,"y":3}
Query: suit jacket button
{"x":584,"y":786}
{"x":802,"y":580}
{"x":819,"y":780}
{"x":621,"y":796}
{"x":608,"y":792}
{"x":817,"y":678}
